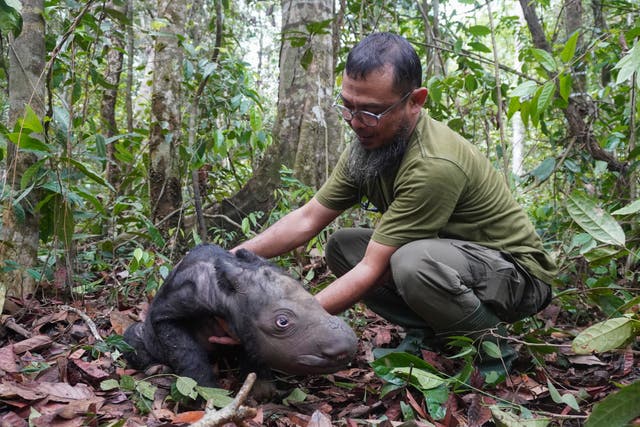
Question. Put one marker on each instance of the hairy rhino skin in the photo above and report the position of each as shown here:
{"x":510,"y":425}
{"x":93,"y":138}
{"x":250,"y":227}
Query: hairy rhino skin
{"x":279,"y":324}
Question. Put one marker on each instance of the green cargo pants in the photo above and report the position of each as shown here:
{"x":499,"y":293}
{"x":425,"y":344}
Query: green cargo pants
{"x":443,"y":286}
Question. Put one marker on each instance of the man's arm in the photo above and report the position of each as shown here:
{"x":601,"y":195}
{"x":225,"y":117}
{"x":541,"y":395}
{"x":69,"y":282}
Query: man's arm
{"x":294,"y":229}
{"x":350,"y":288}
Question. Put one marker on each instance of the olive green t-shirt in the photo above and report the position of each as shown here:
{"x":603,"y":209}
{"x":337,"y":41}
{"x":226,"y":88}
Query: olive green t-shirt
{"x":444,"y":187}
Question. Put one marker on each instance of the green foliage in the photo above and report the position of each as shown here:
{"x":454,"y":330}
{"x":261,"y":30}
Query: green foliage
{"x":618,"y":409}
{"x":11,"y":17}
{"x":607,"y":335}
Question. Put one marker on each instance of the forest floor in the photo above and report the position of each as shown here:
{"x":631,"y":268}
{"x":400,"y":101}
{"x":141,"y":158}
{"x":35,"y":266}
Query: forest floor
{"x":54,"y":369}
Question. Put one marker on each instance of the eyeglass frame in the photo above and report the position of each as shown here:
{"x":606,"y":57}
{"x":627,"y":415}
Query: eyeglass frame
{"x":342,"y":109}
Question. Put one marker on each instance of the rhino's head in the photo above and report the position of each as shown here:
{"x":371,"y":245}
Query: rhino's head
{"x":282,"y":325}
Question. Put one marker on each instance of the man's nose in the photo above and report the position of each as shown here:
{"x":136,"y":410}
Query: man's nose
{"x":356,"y":122}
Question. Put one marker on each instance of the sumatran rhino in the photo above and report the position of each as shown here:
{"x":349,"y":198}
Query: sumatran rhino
{"x":279,"y":325}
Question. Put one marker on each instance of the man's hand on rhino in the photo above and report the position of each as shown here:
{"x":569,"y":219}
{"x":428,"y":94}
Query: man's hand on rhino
{"x":223,"y":335}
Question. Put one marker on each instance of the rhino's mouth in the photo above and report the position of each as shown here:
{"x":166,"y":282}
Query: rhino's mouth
{"x":313,"y":363}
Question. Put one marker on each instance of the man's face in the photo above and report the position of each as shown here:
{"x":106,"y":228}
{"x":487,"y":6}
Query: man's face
{"x":375,"y":94}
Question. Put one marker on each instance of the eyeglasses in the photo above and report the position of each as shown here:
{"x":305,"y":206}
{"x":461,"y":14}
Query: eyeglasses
{"x":367,"y":118}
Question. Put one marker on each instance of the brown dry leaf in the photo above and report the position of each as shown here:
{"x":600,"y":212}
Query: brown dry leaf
{"x":12,"y":419}
{"x":188,"y":417}
{"x":120,"y":321}
{"x":30,"y":344}
{"x":628,"y":364}
{"x":415,"y":405}
{"x":319,"y":419}
{"x":477,"y":411}
{"x":55,"y":317}
{"x":89,"y":370}
{"x":10,"y":390}
{"x":8,"y":361}
{"x":63,"y":392}
{"x":80,"y":407}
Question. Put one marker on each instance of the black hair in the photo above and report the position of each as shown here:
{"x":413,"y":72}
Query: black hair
{"x":378,"y":49}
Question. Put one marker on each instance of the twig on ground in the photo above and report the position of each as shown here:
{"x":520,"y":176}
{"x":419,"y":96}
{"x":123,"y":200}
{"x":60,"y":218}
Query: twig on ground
{"x":10,"y":323}
{"x":234,"y":412}
{"x":90,"y":323}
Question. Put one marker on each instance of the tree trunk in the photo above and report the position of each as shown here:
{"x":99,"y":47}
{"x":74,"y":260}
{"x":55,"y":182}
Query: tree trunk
{"x":307,"y":134}
{"x":109,"y":96}
{"x":19,"y":236}
{"x":305,"y":94}
{"x":165,"y":133}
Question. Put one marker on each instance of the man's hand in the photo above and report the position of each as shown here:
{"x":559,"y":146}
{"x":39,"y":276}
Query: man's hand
{"x":223,"y":335}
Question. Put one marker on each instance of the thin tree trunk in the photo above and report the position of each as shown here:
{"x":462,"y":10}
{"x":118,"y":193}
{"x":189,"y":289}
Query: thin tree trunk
{"x":109,"y":97}
{"x":306,"y":135}
{"x":166,"y":118}
{"x":19,"y":236}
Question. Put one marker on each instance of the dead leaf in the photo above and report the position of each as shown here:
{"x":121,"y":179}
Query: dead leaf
{"x":415,"y":405}
{"x":586,"y":359}
{"x":8,"y":361}
{"x":88,"y":370}
{"x":63,"y":392}
{"x":188,"y":417}
{"x":120,"y":321}
{"x":32,"y":344}
{"x":319,"y":419}
{"x":10,"y":390}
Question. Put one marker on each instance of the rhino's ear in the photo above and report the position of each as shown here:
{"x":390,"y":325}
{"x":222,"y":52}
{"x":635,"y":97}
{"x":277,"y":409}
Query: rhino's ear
{"x":229,"y":277}
{"x":248,"y":256}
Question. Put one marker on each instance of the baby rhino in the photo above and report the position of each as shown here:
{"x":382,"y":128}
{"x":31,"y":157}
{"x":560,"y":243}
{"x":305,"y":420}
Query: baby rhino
{"x":277,"y":322}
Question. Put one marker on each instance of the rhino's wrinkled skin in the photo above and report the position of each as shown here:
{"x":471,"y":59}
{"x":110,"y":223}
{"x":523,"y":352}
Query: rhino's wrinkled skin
{"x":278,"y":323}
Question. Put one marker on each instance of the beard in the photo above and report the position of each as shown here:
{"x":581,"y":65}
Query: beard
{"x":364,"y":165}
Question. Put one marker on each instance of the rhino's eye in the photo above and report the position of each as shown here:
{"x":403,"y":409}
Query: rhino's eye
{"x":282,"y":321}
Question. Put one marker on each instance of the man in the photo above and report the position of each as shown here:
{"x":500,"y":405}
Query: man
{"x":452,"y":252}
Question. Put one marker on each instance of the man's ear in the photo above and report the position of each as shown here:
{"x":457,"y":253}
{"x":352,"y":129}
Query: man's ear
{"x":419,"y":97}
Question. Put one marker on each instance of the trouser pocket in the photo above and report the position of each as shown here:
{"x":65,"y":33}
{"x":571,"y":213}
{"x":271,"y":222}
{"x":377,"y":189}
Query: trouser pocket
{"x":502,"y":284}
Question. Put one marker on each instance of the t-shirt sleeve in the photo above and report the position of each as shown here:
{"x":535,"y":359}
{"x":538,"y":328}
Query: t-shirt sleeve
{"x":425,"y":195}
{"x":338,"y":192}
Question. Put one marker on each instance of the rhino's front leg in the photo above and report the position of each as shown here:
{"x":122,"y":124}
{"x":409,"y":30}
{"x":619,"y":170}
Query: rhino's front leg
{"x":184,"y":353}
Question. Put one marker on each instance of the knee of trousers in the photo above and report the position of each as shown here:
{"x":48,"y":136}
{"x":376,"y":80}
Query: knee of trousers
{"x":431,"y":287}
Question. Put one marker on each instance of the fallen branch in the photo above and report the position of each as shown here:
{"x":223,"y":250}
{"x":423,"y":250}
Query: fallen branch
{"x":235,"y":412}
{"x":90,"y":323}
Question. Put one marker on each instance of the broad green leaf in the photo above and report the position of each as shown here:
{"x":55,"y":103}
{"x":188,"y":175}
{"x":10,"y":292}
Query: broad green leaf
{"x":187,"y":387}
{"x":28,"y":143}
{"x":605,"y":336}
{"x":570,"y":48}
{"x":524,"y":90}
{"x":632,"y":208}
{"x":88,"y":172}
{"x":546,"y":96}
{"x":544,"y":169}
{"x":507,"y":419}
{"x":217,"y":397}
{"x":11,"y":16}
{"x":31,"y":121}
{"x":594,"y":220}
{"x":110,"y":384}
{"x":479,"y":30}
{"x":296,"y":396}
{"x":422,"y":379}
{"x":491,"y":349}
{"x":479,"y":47}
{"x":545,"y":59}
{"x":565,"y":85}
{"x":146,"y":389}
{"x":617,"y":409}
{"x":628,"y":65}
{"x":568,"y":399}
